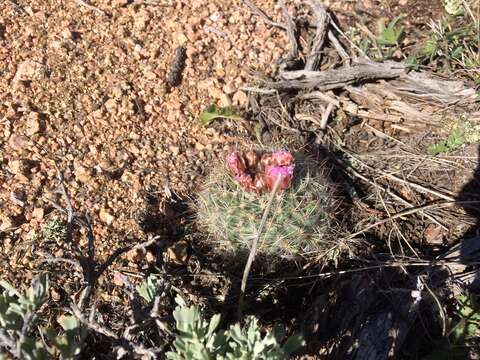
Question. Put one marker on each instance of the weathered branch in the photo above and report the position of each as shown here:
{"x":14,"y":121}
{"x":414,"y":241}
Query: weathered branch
{"x":291,"y":29}
{"x":338,"y":78}
{"x":322,"y":20}
{"x":257,"y":11}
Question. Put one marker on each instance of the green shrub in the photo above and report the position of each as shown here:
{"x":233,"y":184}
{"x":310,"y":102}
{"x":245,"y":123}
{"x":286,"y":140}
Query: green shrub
{"x":18,"y":318}
{"x":55,"y":231}
{"x":198,"y":339}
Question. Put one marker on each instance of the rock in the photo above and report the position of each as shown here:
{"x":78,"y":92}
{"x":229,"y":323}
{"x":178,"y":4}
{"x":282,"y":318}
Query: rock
{"x":82,"y":174}
{"x":18,"y":167}
{"x":6,"y":223}
{"x":151,"y":258}
{"x":136,"y":255}
{"x":175,"y":150}
{"x":215,"y":92}
{"x":433,"y":234}
{"x":106,"y":217}
{"x":119,"y":3}
{"x":18,"y":197}
{"x":28,"y":70}
{"x":33,"y":124}
{"x":38,"y":213}
{"x":229,"y":88}
{"x":206,"y":84}
{"x":18,"y":142}
{"x":111,"y":105}
{"x":225,"y":100}
{"x":240,"y":98}
{"x":181,"y":38}
{"x":177,"y":254}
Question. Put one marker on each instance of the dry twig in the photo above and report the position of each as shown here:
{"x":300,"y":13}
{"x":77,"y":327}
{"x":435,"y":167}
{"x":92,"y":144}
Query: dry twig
{"x":338,"y":78}
{"x":253,"y":249}
{"x":321,"y":20}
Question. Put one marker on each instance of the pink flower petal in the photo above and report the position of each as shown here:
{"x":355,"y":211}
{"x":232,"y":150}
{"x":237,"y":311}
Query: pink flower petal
{"x":284,"y":172}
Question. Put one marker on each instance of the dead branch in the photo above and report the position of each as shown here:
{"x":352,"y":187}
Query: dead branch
{"x":338,"y":78}
{"x":338,"y":46}
{"x":257,"y":11}
{"x":291,"y":29}
{"x":321,"y":20}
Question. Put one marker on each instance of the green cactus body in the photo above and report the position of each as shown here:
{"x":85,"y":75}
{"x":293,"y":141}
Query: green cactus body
{"x":298,"y":224}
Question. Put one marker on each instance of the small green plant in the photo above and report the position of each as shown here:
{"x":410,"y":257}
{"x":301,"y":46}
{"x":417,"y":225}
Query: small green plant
{"x":465,"y":327}
{"x":199,"y":339}
{"x":55,"y":231}
{"x":454,"y":7}
{"x":213,"y":112}
{"x":468,"y":327}
{"x":149,"y":288}
{"x":18,"y":317}
{"x":454,"y":141}
{"x":299,"y":222}
{"x":390,"y":35}
{"x":69,"y":345}
{"x":384,"y":44}
{"x":454,"y":42}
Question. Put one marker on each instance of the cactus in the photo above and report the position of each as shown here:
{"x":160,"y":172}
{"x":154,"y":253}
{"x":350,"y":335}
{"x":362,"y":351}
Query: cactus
{"x":299,"y":223}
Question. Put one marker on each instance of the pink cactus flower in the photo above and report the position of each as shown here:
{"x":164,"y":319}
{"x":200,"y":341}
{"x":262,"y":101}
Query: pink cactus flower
{"x":280,"y":158}
{"x":260,"y":174}
{"x":285,"y":173}
{"x":235,"y":163}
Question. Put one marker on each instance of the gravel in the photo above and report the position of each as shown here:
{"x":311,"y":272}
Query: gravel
{"x":86,"y":87}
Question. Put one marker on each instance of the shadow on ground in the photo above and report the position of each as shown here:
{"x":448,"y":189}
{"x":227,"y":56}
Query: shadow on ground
{"x":470,"y":246}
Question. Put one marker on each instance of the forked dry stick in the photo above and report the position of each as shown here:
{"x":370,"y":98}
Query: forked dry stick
{"x":253,"y":249}
{"x":90,"y":7}
{"x":291,"y":29}
{"x":257,"y":11}
{"x":322,"y":21}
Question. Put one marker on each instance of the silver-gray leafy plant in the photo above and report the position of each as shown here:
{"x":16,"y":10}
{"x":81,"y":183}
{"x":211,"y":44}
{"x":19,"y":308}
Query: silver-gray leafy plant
{"x":199,"y":339}
{"x":18,"y":317}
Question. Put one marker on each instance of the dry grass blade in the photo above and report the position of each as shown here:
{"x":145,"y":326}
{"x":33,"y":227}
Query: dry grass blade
{"x":412,"y":211}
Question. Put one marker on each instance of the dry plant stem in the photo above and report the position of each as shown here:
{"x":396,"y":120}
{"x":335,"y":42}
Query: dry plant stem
{"x":322,"y":20}
{"x":93,"y":325}
{"x":321,"y":96}
{"x":326,"y":115}
{"x":53,"y":260}
{"x":396,"y":178}
{"x":253,"y":249}
{"x":338,"y":46}
{"x":257,"y":11}
{"x":440,"y":310}
{"x":352,"y":44}
{"x":90,"y":7}
{"x":409,"y":212}
{"x":291,"y":30}
{"x":395,"y":225}
{"x":88,"y":264}
{"x":387,"y":191}
{"x":338,"y":78}
{"x":68,"y":202}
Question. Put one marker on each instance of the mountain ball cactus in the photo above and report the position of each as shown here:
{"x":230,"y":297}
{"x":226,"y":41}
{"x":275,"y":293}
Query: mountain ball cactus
{"x":301,"y":218}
